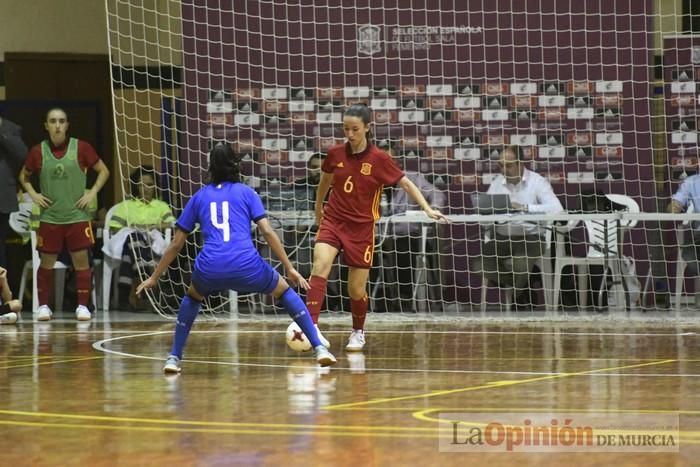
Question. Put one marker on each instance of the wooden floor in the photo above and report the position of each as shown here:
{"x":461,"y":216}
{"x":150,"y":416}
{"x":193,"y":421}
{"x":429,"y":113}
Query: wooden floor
{"x":93,"y":395}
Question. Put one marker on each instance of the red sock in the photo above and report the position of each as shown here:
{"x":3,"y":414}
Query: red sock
{"x":315,"y":296}
{"x":44,"y":283}
{"x":83,"y":284}
{"x":359,"y":312}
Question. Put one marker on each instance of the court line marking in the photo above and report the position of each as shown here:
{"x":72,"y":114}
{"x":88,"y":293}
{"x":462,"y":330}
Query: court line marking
{"x":490,"y":385}
{"x":548,"y":410}
{"x":277,"y":429}
{"x":280,"y":331}
{"x":530,"y":333}
{"x":159,"y":421}
{"x":272,"y":365}
{"x":298,"y":357}
{"x":99,"y":346}
{"x":220,"y":430}
{"x":52,"y":362}
{"x":18,"y":357}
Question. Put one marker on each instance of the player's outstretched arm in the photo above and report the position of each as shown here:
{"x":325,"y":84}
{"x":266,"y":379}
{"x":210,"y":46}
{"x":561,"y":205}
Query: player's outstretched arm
{"x":413,"y":191}
{"x":276,"y":246}
{"x":168,"y":257}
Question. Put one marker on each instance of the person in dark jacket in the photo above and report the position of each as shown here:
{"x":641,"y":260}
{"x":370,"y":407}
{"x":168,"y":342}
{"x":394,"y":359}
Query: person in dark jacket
{"x":13,"y":151}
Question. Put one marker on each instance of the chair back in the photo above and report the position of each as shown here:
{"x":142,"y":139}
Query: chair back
{"x":20,"y":219}
{"x":604,"y":236}
{"x":631,"y":206}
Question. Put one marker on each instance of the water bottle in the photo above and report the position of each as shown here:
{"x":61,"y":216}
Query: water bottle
{"x":384,"y":205}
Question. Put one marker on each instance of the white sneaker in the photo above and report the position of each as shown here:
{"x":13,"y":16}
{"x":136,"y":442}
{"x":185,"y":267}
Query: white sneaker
{"x":323,"y":356}
{"x":357,"y":341}
{"x":82,"y":313}
{"x":172,"y":365}
{"x":43,"y":313}
{"x":323,"y":340}
{"x":8,"y":318}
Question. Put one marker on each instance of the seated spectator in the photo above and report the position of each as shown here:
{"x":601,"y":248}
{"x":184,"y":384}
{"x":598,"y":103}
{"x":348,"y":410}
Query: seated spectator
{"x":9,"y":308}
{"x":689,"y":194}
{"x":402,"y":244}
{"x":515,"y":246}
{"x":139,"y":219}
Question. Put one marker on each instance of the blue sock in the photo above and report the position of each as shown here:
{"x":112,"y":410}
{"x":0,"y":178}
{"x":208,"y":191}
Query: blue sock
{"x":294,"y":305}
{"x":189,"y":308}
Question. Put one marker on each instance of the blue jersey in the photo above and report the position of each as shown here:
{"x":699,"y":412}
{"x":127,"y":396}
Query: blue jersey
{"x":224,"y":213}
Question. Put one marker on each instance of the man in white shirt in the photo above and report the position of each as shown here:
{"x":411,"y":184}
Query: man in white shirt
{"x":510,"y":255}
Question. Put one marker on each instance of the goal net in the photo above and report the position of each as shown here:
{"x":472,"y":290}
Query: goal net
{"x":450,"y":84}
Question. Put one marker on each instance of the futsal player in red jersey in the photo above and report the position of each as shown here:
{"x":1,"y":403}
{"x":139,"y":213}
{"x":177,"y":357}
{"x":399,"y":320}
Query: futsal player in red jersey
{"x":356,"y":173}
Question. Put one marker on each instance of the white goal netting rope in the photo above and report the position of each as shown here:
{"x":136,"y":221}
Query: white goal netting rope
{"x":450,"y":84}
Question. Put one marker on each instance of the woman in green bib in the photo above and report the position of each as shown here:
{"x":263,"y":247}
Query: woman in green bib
{"x":62,"y":164}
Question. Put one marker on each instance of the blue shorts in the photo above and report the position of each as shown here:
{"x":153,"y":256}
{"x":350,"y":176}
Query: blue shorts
{"x":259,"y":279}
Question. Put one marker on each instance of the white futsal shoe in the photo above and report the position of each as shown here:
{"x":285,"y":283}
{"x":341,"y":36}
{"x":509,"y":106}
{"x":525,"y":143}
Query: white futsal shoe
{"x":43,"y":313}
{"x":82,"y":313}
{"x":8,"y":318}
{"x":323,"y":356}
{"x":172,"y":365}
{"x":356,"y":342}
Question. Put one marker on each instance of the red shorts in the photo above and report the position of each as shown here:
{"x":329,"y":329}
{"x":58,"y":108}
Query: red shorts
{"x":52,"y":238}
{"x":355,"y":240}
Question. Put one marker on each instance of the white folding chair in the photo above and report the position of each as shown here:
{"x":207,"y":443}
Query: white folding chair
{"x":604,"y":249}
{"x":108,"y":266}
{"x":19,"y":222}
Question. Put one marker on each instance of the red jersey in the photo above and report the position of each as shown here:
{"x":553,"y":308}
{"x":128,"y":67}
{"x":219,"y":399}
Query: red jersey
{"x":358,"y":181}
{"x":87,"y":157}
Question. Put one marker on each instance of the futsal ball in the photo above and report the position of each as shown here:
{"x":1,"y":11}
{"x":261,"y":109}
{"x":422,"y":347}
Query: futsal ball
{"x":296,"y":340}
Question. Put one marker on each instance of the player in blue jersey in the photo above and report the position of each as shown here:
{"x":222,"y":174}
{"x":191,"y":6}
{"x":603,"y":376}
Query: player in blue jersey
{"x":224,"y":210}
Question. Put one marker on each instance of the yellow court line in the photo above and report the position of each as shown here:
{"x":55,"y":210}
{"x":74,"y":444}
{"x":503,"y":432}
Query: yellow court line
{"x":18,"y":359}
{"x":51,"y":362}
{"x":490,"y":385}
{"x":315,"y":432}
{"x":28,"y":356}
{"x":210,"y":423}
{"x":549,"y":410}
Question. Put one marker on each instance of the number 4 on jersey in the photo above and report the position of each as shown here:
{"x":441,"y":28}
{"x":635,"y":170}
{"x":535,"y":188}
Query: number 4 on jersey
{"x":223,"y":225}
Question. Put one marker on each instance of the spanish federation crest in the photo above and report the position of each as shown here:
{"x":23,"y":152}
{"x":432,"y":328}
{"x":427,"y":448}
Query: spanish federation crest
{"x":369,"y":39}
{"x":366,"y":168}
